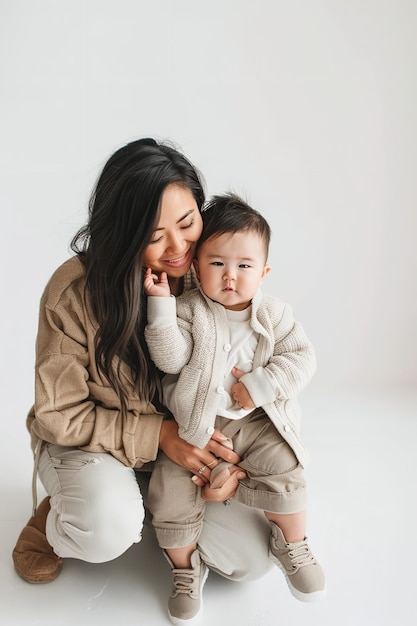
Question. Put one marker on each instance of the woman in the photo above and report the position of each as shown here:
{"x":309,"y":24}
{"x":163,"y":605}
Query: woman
{"x":96,"y":417}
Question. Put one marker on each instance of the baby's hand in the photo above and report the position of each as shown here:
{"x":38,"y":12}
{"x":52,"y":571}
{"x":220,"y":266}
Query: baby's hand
{"x":156,"y":286}
{"x":239,"y":392}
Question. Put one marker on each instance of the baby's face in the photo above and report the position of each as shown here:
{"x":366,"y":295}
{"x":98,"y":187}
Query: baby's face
{"x":231,"y":267}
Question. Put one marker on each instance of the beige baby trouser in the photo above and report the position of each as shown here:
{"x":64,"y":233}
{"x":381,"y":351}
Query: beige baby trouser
{"x":274,"y":482}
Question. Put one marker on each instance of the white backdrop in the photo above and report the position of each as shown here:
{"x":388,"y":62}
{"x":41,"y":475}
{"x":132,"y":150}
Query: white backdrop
{"x":307,"y":108}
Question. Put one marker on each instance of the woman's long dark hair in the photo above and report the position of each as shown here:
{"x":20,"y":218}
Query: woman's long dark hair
{"x":124,"y":210}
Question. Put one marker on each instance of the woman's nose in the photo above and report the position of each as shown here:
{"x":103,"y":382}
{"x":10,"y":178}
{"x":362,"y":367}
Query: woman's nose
{"x":175,"y":242}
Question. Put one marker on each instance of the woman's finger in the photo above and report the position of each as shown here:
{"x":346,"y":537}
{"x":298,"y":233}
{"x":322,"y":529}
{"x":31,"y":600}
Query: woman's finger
{"x":202,"y":474}
{"x":221,"y":451}
{"x":227,"y":490}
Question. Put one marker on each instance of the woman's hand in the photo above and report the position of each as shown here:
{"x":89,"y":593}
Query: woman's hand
{"x":227,"y":490}
{"x":200,"y":461}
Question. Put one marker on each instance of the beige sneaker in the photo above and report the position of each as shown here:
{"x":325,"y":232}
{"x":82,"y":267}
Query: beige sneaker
{"x":185,"y":604}
{"x":304,"y":575}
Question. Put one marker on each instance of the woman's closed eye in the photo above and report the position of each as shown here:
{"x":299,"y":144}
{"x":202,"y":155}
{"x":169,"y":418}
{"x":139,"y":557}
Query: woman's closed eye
{"x":157,"y":239}
{"x":185,"y":226}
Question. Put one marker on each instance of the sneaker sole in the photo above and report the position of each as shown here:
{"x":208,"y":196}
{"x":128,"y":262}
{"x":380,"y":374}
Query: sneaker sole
{"x":193,"y":621}
{"x":299,"y":595}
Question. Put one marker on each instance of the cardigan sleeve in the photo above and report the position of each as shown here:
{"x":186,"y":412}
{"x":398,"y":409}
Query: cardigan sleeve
{"x":169,"y":338}
{"x":288,"y":369}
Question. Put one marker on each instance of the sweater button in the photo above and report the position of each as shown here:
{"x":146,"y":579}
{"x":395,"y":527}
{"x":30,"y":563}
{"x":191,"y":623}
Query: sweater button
{"x":227,"y":347}
{"x":287,"y":428}
{"x":210,"y":430}
{"x":220,"y":389}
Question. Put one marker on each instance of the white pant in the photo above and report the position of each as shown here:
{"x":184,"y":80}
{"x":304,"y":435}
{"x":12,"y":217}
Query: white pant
{"x":97,"y":513}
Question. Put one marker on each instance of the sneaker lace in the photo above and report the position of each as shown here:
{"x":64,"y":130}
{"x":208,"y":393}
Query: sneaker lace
{"x":184,"y":580}
{"x":300,"y":554}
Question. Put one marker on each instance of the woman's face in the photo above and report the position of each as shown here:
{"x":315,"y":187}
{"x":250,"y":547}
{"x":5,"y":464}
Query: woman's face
{"x":173,"y":242}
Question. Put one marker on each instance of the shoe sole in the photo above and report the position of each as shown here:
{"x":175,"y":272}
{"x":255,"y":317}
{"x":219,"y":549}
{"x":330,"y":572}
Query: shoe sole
{"x":193,"y":621}
{"x":39,"y":579}
{"x":299,"y":595}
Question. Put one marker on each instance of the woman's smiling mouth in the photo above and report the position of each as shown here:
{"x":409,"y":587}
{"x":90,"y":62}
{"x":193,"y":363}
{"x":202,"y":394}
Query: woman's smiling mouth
{"x":179,"y":261}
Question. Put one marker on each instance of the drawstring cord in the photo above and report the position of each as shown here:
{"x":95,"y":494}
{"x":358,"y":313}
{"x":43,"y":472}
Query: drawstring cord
{"x":35,"y":477}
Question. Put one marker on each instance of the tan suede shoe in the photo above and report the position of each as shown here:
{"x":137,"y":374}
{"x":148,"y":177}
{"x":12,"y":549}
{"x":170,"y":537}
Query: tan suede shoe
{"x":34,"y":560}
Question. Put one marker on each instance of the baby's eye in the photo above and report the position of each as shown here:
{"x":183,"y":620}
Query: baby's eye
{"x":217,"y":263}
{"x":244,"y":265}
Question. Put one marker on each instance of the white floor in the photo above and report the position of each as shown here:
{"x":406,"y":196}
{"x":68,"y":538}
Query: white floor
{"x":362,"y":524}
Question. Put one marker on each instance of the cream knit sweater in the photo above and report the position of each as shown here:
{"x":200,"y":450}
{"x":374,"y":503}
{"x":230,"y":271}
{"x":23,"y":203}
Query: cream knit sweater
{"x":188,"y":337}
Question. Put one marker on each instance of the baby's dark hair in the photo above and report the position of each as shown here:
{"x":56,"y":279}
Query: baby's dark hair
{"x":229,"y":213}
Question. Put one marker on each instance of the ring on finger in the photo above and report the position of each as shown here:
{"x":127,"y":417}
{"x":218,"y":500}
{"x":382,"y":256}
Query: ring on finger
{"x":210,"y":464}
{"x":201,"y":470}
